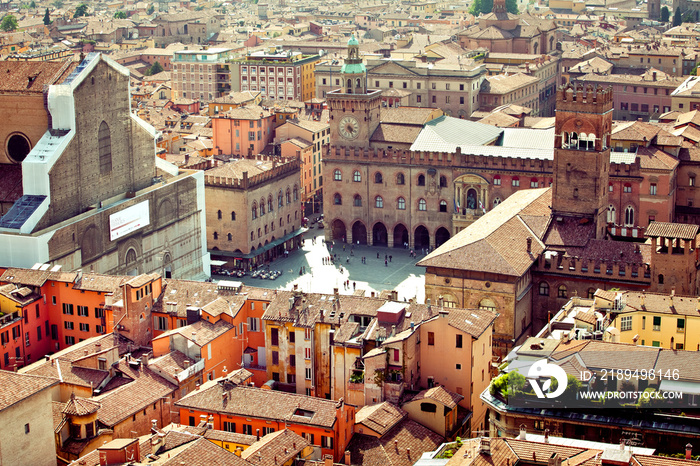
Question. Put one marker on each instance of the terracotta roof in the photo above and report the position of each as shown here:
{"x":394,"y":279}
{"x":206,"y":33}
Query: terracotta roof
{"x":262,"y":404}
{"x":672,"y":230}
{"x":174,"y":439}
{"x":222,"y":435}
{"x":503,"y":84}
{"x":30,"y":77}
{"x":396,"y":133}
{"x":634,"y":131}
{"x":645,"y":460}
{"x":380,"y":417}
{"x":202,"y":452}
{"x":172,"y":363}
{"x":659,"y":303}
{"x":57,"y":413}
{"x":177,"y":295}
{"x":201,"y":332}
{"x":145,"y":388}
{"x":496,"y":242}
{"x":245,"y":113}
{"x":79,"y":406}
{"x":401,"y":446}
{"x":471,"y":321}
{"x":441,"y":395}
{"x":17,"y":387}
{"x":653,"y":158}
{"x":407,"y":115}
{"x":275,"y":448}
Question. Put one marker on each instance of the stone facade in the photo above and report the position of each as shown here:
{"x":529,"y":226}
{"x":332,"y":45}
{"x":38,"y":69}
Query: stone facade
{"x":95,"y":161}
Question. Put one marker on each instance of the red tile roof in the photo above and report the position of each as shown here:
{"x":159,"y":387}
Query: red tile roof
{"x":17,"y":387}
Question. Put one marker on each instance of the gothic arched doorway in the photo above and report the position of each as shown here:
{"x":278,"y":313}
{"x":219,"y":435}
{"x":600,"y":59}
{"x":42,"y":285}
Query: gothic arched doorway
{"x":338,"y":230}
{"x":441,"y":236}
{"x":400,"y":236}
{"x":379,"y":236}
{"x":421,"y":237}
{"x":359,"y":233}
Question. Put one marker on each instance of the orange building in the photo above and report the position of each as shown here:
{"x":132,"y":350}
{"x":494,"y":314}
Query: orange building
{"x":326,"y":424}
{"x":225,"y":332}
{"x":242,"y":130}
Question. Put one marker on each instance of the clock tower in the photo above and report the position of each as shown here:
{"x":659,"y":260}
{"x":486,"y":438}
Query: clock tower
{"x":354,"y":109}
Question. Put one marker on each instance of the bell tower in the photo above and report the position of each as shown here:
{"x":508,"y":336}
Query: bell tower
{"x":582,"y":154}
{"x":354,"y":109}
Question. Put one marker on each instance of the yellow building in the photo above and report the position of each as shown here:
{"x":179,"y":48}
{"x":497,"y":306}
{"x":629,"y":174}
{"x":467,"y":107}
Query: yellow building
{"x":652,"y":319}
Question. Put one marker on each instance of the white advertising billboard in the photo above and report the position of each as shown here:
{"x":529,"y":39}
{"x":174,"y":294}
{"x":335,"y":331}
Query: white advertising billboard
{"x":129,"y":220}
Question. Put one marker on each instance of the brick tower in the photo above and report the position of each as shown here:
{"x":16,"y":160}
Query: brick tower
{"x":354,"y":109}
{"x":582,"y":154}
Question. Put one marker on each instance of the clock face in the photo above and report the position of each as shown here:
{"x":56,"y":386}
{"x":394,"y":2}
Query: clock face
{"x":349,"y":127}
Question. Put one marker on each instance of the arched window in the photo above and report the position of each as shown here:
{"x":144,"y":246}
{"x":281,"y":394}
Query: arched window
{"x":561,"y":292}
{"x":349,"y":82}
{"x":265,"y":229}
{"x":337,"y":176}
{"x":496,"y":201}
{"x":629,"y":216}
{"x":534,"y":183}
{"x":358,"y":82}
{"x":487,"y":304}
{"x":254,"y":211}
{"x":233,"y":216}
{"x":378,"y":178}
{"x":443,"y":206}
{"x":295,"y":192}
{"x":230,"y":237}
{"x":611,"y":214}
{"x":544,"y":289}
{"x":401,"y":204}
{"x":443,"y":181}
{"x":289,"y":197}
{"x":219,"y":215}
{"x":356,"y":176}
{"x":259,"y":232}
{"x":421,"y":180}
{"x":627,"y":188}
{"x":357,"y":200}
{"x":337,"y":199}
{"x":422,"y":205}
{"x":104,"y":144}
{"x":516,"y":181}
{"x":252,"y":236}
{"x":280,"y":199}
{"x":591,"y":293}
{"x":378,"y":202}
{"x":400,"y":179}
{"x":661,"y":279}
{"x":216,"y":236}
{"x":269,"y":203}
{"x":262,"y":207}
{"x":497,"y":180}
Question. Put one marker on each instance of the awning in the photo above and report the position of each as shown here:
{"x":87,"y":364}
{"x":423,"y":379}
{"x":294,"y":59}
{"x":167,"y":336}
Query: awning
{"x":218,"y":263}
{"x":689,"y":388}
{"x":250,"y":350}
{"x":257,"y":252}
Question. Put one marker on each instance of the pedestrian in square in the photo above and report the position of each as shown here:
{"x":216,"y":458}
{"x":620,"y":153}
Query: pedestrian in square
{"x":386,"y":263}
{"x":389,"y":258}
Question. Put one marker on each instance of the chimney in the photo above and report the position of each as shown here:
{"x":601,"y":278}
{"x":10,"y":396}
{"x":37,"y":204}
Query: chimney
{"x":622,"y":444}
{"x":257,"y":433}
{"x":154,"y":424}
{"x":347,"y":457}
{"x":485,"y":446}
{"x":529,"y":244}
{"x":689,"y":451}
{"x":546,"y":436}
{"x":523,"y":432}
{"x":328,"y":460}
{"x":144,"y":360}
{"x":554,"y":460}
{"x":291,"y":303}
{"x":98,"y":347}
{"x":186,"y":362}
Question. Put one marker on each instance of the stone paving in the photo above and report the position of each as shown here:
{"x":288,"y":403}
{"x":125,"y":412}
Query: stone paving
{"x":401,"y":274}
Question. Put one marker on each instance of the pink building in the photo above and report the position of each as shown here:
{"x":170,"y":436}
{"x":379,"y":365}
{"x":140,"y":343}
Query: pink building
{"x":242,"y":130}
